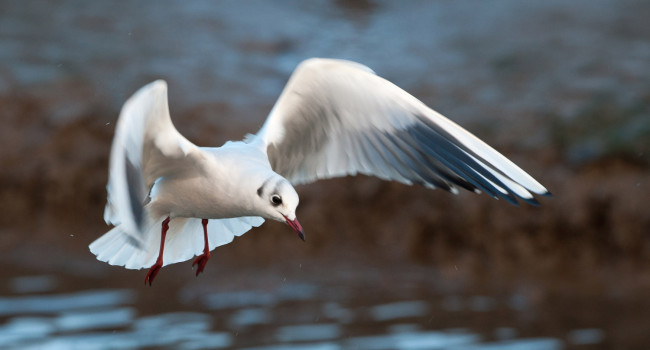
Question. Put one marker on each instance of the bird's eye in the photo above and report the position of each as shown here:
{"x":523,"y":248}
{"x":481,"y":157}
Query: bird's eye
{"x":276,"y":199}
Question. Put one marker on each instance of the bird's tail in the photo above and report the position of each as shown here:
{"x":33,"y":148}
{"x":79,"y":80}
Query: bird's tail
{"x":184,"y":240}
{"x":117,"y":247}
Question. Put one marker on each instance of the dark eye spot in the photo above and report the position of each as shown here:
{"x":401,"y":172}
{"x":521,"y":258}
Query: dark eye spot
{"x":276,"y":200}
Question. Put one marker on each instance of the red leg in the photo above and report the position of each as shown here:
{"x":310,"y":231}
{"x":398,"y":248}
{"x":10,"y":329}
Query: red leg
{"x":153,"y":271}
{"x":202,"y":259}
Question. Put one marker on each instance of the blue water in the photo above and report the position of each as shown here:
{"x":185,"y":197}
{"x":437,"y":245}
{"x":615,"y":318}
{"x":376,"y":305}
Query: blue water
{"x":252,"y":319}
{"x":517,"y":56}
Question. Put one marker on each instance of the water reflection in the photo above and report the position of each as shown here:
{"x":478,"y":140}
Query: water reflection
{"x":397,"y":310}
{"x":24,"y":329}
{"x":252,"y":319}
{"x":334,"y":311}
{"x":520,"y":344}
{"x":308,"y":332}
{"x":315,"y":346}
{"x":40,"y":304}
{"x":247,"y":298}
{"x":413,"y":340}
{"x":33,"y":284}
{"x":226,"y":300}
{"x":249,"y":317}
{"x":286,"y":315}
{"x":182,"y":330}
{"x":586,"y":336}
{"x":77,"y":321}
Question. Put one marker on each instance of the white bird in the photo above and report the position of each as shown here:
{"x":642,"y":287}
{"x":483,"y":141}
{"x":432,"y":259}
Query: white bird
{"x":334,"y":118}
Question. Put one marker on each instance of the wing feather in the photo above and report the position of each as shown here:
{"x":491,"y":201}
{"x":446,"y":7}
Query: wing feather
{"x":145,"y":147}
{"x":337,"y":118}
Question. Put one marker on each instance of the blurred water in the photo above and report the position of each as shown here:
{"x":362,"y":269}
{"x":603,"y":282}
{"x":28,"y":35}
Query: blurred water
{"x":516,"y":55}
{"x":62,"y":302}
{"x":252,"y":319}
{"x":33,"y":284}
{"x":397,"y":310}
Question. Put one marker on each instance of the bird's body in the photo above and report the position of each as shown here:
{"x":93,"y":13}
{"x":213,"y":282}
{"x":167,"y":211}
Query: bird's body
{"x":222,"y":171}
{"x":334,"y":118}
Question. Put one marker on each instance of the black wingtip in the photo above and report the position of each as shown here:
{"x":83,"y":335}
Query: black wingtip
{"x":533,"y":201}
{"x":509,"y":198}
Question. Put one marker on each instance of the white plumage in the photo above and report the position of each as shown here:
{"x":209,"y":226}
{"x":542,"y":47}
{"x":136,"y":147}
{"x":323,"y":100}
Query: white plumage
{"x":334,"y":118}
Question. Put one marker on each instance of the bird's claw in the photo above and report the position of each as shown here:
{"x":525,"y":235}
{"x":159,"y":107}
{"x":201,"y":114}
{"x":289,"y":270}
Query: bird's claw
{"x":201,"y":260}
{"x":153,"y":271}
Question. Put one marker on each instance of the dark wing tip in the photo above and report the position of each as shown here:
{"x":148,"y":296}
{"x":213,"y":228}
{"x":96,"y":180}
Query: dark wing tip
{"x":439,"y":144}
{"x":532,"y":201}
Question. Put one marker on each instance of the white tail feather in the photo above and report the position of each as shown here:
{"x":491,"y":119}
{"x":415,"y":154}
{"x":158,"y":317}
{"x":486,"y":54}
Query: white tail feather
{"x":184,"y":240}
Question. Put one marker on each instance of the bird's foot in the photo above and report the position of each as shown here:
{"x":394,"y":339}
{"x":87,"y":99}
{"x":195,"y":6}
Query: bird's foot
{"x":201,"y":260}
{"x":153,"y":271}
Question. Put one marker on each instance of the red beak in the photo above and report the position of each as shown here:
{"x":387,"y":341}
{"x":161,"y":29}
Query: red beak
{"x":295,"y":225}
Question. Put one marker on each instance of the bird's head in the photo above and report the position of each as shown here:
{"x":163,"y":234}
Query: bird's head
{"x":278,"y":201}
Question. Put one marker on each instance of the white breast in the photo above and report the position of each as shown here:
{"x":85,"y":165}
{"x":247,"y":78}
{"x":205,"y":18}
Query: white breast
{"x":223,"y":187}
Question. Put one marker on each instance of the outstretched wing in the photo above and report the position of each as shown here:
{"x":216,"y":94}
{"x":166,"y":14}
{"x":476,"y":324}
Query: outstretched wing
{"x":337,"y":118}
{"x":146,"y":146}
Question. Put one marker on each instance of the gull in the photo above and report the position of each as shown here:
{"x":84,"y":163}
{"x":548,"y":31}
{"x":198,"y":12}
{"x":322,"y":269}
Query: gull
{"x":334,"y":118}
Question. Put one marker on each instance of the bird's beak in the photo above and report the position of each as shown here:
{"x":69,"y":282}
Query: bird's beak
{"x":295,"y":225}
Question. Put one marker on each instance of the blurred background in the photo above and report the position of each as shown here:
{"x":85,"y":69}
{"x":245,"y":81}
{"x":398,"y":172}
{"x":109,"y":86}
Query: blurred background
{"x":561,"y":88}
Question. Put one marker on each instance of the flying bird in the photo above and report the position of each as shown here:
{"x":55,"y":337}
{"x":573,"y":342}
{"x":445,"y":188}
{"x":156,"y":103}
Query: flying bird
{"x":170,"y":200}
